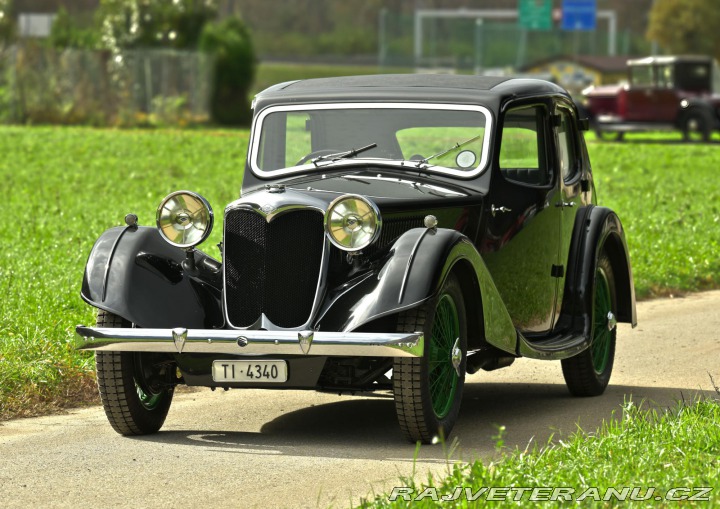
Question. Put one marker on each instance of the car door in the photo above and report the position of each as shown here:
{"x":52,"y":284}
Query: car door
{"x":522,"y":234}
{"x":569,"y":167}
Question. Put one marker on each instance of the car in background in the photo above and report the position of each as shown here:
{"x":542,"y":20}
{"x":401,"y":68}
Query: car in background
{"x":392,"y":234}
{"x":663,"y":93}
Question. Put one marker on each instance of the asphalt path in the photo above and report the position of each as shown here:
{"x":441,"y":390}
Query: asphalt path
{"x":267,"y":449}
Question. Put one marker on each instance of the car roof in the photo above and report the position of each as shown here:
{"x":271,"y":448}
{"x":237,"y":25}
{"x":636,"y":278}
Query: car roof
{"x":444,"y":88}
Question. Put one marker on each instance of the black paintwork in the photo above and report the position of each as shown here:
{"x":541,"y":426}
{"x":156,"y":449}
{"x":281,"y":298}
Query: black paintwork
{"x":148,"y":284}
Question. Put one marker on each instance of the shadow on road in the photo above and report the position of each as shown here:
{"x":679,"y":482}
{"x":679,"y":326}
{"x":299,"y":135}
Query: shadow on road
{"x":366,"y":428}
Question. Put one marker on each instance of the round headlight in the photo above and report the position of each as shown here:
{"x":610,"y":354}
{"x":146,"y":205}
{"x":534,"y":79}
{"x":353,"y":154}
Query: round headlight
{"x":352,"y":222}
{"x":184,"y":219}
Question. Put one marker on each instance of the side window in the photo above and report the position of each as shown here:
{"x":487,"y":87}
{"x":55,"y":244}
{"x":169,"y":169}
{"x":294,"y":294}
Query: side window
{"x":642,"y":76}
{"x":567,"y":148}
{"x":522,"y":155}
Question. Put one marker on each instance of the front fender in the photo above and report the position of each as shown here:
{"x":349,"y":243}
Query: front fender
{"x":597,"y":229}
{"x":132,"y":272}
{"x":413,"y":272}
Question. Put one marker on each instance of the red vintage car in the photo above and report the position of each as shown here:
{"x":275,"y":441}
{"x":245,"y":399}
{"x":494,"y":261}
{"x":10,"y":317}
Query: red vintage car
{"x":663,"y":93}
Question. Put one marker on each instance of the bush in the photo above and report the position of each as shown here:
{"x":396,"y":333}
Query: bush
{"x":67,"y":33}
{"x":231,"y":47}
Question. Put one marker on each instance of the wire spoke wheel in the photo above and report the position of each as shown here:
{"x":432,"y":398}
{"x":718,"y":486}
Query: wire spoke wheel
{"x":588,"y":373}
{"x":443,"y":377}
{"x":428,"y":389}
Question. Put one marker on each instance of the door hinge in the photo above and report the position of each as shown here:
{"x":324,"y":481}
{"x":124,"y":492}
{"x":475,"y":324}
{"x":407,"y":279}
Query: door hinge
{"x":557,"y":271}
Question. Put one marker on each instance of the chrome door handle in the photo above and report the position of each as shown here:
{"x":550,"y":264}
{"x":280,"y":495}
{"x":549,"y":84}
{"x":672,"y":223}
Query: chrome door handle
{"x":494,"y":210}
{"x":564,"y":204}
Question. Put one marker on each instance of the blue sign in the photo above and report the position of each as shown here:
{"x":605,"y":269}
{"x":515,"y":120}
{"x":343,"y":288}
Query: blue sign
{"x":579,"y":15}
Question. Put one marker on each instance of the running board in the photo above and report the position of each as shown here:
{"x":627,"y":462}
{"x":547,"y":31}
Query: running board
{"x":552,"y":348}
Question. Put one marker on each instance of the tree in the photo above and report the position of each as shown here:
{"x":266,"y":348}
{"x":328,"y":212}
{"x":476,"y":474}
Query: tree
{"x":173,"y":24}
{"x":686,"y":26}
{"x":230,"y":44}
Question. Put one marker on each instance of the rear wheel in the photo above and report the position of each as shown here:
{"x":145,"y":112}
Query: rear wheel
{"x":588,"y":373}
{"x":135,"y":388}
{"x":696,"y":126}
{"x":428,"y":389}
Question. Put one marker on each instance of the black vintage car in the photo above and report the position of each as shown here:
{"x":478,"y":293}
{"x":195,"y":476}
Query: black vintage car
{"x":393,"y":233}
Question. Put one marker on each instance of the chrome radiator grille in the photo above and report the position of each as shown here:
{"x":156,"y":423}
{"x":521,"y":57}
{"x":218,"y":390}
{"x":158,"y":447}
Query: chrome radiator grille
{"x":272,"y":268}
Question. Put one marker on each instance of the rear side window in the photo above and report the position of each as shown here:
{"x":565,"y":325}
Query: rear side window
{"x":522,"y":156}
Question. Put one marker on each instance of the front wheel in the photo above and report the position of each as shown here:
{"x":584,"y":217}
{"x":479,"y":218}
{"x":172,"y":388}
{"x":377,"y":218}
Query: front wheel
{"x":428,"y":389}
{"x":588,"y":373}
{"x":135,"y":388}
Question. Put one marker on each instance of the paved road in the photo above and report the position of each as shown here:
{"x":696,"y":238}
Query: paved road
{"x":292,"y":449}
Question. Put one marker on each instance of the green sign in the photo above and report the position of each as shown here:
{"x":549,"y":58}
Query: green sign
{"x":535,"y":14}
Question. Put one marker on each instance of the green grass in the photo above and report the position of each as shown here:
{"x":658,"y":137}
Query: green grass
{"x":62,"y":187}
{"x":646,"y":448}
{"x":668,"y":198}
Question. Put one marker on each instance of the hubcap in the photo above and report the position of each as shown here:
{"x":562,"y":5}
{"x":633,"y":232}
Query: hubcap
{"x":604,"y":322}
{"x":444,"y":340}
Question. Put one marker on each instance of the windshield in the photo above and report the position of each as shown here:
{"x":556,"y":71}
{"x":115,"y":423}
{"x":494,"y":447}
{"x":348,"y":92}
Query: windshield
{"x":446,"y":139}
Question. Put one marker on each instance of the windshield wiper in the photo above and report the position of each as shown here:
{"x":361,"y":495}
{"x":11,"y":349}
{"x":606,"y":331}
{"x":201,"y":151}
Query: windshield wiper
{"x":344,"y":155}
{"x":439,"y":154}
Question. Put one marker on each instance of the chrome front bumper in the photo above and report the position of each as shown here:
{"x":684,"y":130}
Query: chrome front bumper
{"x":250,"y":342}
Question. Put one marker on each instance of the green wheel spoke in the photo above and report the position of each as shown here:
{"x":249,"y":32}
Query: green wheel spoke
{"x":441,"y":373}
{"x":602,"y":337}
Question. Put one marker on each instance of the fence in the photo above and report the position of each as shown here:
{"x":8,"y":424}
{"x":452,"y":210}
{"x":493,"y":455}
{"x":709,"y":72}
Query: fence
{"x":465,"y":43}
{"x":44,"y":85}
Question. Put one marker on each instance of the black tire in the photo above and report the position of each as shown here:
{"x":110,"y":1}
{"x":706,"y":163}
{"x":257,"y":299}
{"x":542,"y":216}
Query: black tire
{"x":135,"y":388}
{"x":696,"y":126}
{"x":588,"y":373}
{"x":428,"y":389}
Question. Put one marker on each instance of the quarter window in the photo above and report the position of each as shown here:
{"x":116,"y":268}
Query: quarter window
{"x":567,"y":153}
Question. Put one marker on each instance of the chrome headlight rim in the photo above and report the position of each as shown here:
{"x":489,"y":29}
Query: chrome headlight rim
{"x":205,"y":206}
{"x":372,"y":208}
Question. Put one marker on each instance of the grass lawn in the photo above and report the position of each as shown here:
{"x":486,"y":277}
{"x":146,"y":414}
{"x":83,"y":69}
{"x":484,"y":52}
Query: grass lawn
{"x":653,"y":458}
{"x":64,"y":186}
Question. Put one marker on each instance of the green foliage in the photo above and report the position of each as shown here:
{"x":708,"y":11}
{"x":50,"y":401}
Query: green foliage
{"x":66,"y":32}
{"x":686,"y":26}
{"x":161,"y":23}
{"x":231,"y":47}
{"x":646,"y":448}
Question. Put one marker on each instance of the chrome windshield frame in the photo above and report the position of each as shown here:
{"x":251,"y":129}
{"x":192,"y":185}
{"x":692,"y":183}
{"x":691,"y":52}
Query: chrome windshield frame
{"x":427,"y":167}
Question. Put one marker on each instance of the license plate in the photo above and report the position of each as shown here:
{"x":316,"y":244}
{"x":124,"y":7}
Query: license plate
{"x":250,"y":371}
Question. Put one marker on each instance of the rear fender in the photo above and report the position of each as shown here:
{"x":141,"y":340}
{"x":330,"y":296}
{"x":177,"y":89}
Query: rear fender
{"x":413,"y":271}
{"x":597,"y":229}
{"x":132,"y":272}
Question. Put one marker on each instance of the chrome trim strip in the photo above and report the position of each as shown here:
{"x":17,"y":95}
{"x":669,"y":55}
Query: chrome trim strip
{"x":250,"y":343}
{"x":409,"y":264}
{"x":286,"y":207}
{"x":254,"y":146}
{"x":110,"y":257}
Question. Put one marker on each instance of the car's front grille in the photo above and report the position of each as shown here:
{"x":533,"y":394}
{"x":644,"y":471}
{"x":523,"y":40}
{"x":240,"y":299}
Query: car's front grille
{"x":272,"y":268}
